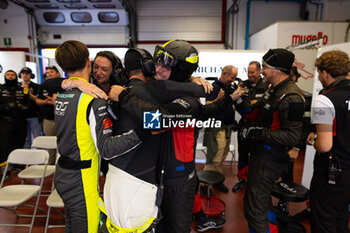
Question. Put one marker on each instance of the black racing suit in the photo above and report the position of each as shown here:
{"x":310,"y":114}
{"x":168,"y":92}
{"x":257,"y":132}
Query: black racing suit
{"x":14,"y":101}
{"x":84,"y":130}
{"x":141,"y":162}
{"x":330,"y":202}
{"x":279,"y":114}
{"x":254,"y":93}
{"x":178,"y":159}
{"x":177,"y":149}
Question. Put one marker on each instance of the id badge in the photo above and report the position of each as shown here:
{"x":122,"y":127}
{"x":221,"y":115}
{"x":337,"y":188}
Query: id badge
{"x":333,"y":174}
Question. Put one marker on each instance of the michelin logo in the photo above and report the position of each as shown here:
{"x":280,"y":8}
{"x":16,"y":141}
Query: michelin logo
{"x":151,"y":120}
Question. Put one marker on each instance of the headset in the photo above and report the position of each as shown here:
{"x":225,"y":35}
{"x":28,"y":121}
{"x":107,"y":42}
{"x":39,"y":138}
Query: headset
{"x":148,"y":66}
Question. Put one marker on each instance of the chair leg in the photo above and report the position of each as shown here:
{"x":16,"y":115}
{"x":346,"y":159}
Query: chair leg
{"x":47,"y":219}
{"x":34,"y":213}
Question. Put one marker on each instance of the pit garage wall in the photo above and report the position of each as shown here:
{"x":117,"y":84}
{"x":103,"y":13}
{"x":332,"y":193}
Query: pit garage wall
{"x":14,"y":27}
{"x":284,"y":34}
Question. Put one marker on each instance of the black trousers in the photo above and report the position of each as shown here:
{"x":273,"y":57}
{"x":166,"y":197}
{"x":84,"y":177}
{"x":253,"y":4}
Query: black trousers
{"x":12,"y":136}
{"x":329,"y":203}
{"x":243,"y":157}
{"x":177,"y":207}
{"x":257,"y":201}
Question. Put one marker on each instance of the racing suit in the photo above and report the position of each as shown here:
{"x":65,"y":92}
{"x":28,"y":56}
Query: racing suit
{"x":254,"y":93}
{"x":329,"y":202}
{"x":84,"y":130}
{"x":178,"y":159}
{"x":276,"y":125}
{"x":14,"y":101}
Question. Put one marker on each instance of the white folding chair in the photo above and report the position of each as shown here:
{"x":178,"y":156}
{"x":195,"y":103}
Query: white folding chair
{"x":54,"y":201}
{"x":19,"y":194}
{"x":32,"y":172}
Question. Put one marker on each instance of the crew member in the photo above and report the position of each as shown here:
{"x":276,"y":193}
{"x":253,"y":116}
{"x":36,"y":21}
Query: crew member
{"x":32,"y":114}
{"x":46,"y":99}
{"x":255,"y":90}
{"x":276,"y":126}
{"x":14,"y":101}
{"x":177,"y":60}
{"x":218,"y":140}
{"x":330,"y":185}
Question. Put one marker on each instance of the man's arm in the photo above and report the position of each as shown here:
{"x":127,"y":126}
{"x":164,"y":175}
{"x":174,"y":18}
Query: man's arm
{"x":165,"y":91}
{"x":109,"y":146}
{"x":60,"y":85}
{"x":290,"y":116}
{"x":323,"y":113}
{"x":324,"y":140}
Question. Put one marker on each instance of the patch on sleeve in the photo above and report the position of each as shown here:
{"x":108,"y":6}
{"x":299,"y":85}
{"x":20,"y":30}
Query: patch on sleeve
{"x":296,"y":111}
{"x":182,"y":102}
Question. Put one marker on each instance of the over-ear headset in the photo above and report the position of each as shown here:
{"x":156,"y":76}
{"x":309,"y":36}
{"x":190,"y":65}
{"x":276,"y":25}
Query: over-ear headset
{"x":148,"y":66}
{"x":32,"y":76}
{"x":117,"y":69}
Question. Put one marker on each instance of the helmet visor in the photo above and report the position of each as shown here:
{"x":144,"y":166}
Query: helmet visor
{"x":161,"y":55}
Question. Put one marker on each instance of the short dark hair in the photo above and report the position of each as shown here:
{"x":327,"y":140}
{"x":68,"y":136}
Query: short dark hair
{"x":52,"y":68}
{"x":11,"y":71}
{"x":334,"y":62}
{"x":71,"y":56}
{"x":256,"y":63}
{"x":110,"y":56}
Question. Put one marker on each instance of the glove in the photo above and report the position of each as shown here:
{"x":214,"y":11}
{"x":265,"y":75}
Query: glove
{"x":251,"y":132}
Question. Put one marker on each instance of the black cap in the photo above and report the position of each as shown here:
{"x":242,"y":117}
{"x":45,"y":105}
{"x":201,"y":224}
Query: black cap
{"x":134,"y":57}
{"x":281,"y":59}
{"x":132,"y":60}
{"x":26,"y":70}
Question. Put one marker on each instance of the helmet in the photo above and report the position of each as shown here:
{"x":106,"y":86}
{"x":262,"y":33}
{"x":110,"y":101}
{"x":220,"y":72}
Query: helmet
{"x":178,"y":55}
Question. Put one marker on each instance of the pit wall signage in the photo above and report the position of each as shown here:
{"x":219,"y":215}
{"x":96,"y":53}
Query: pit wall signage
{"x":300,"y":39}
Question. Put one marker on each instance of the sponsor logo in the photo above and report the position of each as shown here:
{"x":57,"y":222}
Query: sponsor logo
{"x":287,"y":187}
{"x":107,"y":123}
{"x":60,"y":108}
{"x":300,"y":39}
{"x":102,"y":114}
{"x":69,"y":96}
{"x":106,"y":131}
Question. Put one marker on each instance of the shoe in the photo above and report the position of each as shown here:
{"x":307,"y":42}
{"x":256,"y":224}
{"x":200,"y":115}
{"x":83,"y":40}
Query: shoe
{"x":303,"y":215}
{"x":204,"y":223}
{"x":239,"y":185}
{"x":221,"y":187}
{"x":203,"y":190}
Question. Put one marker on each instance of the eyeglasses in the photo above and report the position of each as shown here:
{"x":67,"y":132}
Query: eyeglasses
{"x":161,"y":55}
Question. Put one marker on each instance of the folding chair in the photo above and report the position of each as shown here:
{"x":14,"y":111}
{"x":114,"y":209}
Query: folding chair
{"x":32,"y":172}
{"x":19,"y":194}
{"x":54,"y":201}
